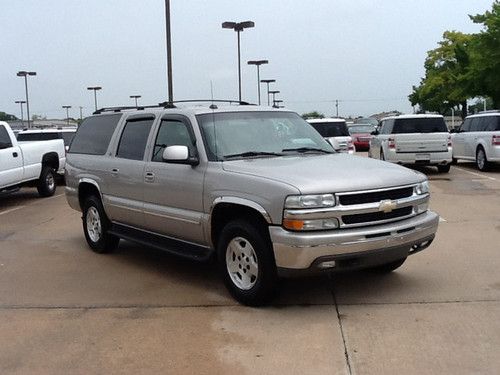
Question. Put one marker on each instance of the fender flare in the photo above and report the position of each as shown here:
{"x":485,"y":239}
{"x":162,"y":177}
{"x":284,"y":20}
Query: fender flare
{"x":242,"y":202}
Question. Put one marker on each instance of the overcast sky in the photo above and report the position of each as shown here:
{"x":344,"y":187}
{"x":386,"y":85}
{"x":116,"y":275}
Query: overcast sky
{"x":366,"y":53}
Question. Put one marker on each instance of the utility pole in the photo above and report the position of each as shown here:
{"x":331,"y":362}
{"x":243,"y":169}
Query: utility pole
{"x":337,"y":107}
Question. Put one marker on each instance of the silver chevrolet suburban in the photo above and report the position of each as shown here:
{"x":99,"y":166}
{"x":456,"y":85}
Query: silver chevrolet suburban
{"x":258,"y":188}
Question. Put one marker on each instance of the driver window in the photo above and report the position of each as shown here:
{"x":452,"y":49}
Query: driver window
{"x":172,"y":133}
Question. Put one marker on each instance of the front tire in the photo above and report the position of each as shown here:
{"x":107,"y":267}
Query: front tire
{"x":96,"y":226}
{"x":47,"y":182}
{"x":481,"y":160}
{"x":247,"y":264}
{"x":382,"y":156}
{"x":444,"y":168}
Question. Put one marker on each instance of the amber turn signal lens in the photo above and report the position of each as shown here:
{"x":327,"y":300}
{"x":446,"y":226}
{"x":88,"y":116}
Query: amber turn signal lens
{"x":293,"y":224}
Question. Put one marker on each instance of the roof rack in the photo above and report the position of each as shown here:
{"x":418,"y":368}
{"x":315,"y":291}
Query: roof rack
{"x":171,"y":104}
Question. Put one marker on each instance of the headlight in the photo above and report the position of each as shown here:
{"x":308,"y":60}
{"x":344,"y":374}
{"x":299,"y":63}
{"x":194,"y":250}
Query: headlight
{"x":313,"y":224}
{"x":422,"y":188}
{"x":310,"y":201}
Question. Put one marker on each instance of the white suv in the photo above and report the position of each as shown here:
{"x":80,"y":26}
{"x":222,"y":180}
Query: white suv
{"x":413,"y":139}
{"x":478,"y":139}
{"x":335,"y":131}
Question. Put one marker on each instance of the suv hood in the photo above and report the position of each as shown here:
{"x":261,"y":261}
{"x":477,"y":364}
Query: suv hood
{"x":327,"y":173}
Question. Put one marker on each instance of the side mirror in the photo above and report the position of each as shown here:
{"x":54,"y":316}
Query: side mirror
{"x":179,"y":154}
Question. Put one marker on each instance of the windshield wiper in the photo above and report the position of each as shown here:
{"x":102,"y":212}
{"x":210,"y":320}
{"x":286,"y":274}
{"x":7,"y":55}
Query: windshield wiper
{"x":252,"y":153}
{"x":308,"y":149}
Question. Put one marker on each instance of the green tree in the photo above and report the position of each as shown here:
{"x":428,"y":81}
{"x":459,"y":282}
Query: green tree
{"x":6,"y":117}
{"x":446,"y":84}
{"x":484,"y":68}
{"x":313,"y":114}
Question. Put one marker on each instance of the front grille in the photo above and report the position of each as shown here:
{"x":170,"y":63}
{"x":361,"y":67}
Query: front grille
{"x":376,"y":196}
{"x":376,"y":216}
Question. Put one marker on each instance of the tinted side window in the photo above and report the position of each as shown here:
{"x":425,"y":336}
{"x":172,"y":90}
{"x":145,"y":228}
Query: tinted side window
{"x":37,"y":136}
{"x":4,"y":138}
{"x":331,"y":129}
{"x":466,"y":125}
{"x":172,"y":133}
{"x":94,"y":134}
{"x":492,"y":123}
{"x":476,"y":123}
{"x":67,"y":137}
{"x":134,"y":138}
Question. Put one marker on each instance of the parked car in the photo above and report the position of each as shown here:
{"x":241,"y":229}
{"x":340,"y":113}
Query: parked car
{"x":335,"y":131}
{"x":257,"y":187}
{"x":413,"y":139}
{"x":361,"y":135}
{"x":478,"y":139}
{"x":366,"y":120}
{"x":29,"y":163}
{"x":66,"y":134}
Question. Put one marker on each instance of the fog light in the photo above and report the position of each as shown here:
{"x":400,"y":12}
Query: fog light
{"x":328,"y":264}
{"x":423,"y":207}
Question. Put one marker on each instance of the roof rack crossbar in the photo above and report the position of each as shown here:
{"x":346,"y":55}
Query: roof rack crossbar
{"x":240,"y":102}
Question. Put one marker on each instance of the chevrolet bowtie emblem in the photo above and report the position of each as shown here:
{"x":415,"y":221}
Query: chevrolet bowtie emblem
{"x":387,"y":206}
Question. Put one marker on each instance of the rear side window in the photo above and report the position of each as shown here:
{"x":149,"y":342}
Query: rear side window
{"x":94,"y":134}
{"x":419,"y":125}
{"x":331,"y":129}
{"x":23,"y":137}
{"x":134,"y":138}
{"x":492,"y":124}
{"x":4,"y":138}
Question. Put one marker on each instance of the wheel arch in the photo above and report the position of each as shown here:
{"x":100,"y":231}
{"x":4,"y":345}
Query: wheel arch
{"x":87,"y":187}
{"x":226,"y":209}
{"x":51,"y":159}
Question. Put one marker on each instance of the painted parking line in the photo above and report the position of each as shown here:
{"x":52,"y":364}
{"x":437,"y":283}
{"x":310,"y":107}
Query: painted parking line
{"x":476,"y":174}
{"x":11,"y":210}
{"x":442,"y":219}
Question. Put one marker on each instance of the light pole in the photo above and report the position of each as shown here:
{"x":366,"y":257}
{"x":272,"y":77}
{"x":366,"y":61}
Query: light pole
{"x":258,"y":63}
{"x":81,"y":114}
{"x":67,"y":107}
{"x":95,"y":89}
{"x":21,"y":102}
{"x":268,"y":81}
{"x":274,"y":95}
{"x":238,"y":27}
{"x":25,"y":74}
{"x":135,"y":97}
{"x":277,"y":104}
{"x":169,"y":52}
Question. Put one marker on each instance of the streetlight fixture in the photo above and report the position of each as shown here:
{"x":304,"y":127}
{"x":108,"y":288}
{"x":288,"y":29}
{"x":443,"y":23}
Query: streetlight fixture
{"x":95,"y":89}
{"x":25,"y":74}
{"x":277,"y":104}
{"x":21,"y":102}
{"x":238,"y":27}
{"x":135,"y":97}
{"x":274,"y":95}
{"x":258,"y":63}
{"x":67,"y":107}
{"x":268,"y":81}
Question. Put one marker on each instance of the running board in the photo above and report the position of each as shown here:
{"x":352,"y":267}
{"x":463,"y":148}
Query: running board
{"x":168,"y":244}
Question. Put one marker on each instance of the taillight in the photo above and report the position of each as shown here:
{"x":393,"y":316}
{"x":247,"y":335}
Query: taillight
{"x":449,"y":141}
{"x":350,"y":145}
{"x":495,"y":140}
{"x":392,"y":143}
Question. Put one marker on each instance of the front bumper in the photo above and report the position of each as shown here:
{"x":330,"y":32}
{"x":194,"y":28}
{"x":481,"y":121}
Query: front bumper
{"x":300,"y":251}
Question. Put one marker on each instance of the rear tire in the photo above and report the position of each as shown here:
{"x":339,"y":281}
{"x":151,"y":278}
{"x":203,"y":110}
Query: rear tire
{"x":96,"y":226}
{"x":247,"y":264}
{"x":46,"y":185}
{"x":388,"y":267}
{"x":481,"y":159}
{"x":454,"y":161}
{"x":444,"y":168}
{"x":382,"y":156}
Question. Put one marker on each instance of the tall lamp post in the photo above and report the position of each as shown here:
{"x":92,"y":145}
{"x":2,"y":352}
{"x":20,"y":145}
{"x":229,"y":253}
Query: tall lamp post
{"x":169,"y":52}
{"x":25,"y":74}
{"x":135,"y":97}
{"x":274,"y":95}
{"x":238,"y":27}
{"x":268,"y":81}
{"x":21,"y":102}
{"x":95,"y":89}
{"x":277,"y":104}
{"x":258,"y":63}
{"x":67,"y":107}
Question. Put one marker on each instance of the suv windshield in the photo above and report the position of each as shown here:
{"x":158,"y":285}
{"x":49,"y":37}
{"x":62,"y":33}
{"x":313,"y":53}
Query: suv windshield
{"x":356,"y":129}
{"x":331,"y":129}
{"x":419,"y":125}
{"x":258,"y":134}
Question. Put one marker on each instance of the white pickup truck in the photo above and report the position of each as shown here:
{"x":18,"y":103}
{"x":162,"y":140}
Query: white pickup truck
{"x":29,"y":163}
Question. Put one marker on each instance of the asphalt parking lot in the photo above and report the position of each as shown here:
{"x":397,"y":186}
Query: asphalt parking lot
{"x":65,"y":309}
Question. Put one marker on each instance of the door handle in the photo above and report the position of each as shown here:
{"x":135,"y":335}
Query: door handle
{"x":115,"y":171}
{"x":149,"y":177}
{"x":15,"y":154}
